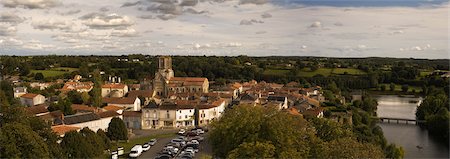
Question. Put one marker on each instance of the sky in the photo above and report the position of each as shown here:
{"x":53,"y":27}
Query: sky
{"x":326,"y":28}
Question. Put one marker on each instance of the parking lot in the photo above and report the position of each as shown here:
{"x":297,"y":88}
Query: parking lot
{"x":154,"y":151}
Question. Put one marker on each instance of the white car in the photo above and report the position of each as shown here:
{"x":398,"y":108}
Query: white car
{"x":136,"y":151}
{"x":200,"y":131}
{"x":171,"y":148}
{"x":146,"y":147}
{"x":152,"y":142}
{"x":182,"y":131}
{"x":190,"y":149}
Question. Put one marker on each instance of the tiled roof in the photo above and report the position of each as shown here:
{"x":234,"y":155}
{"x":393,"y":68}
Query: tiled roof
{"x":126,"y":100}
{"x":131,"y":114}
{"x":85,"y":108}
{"x":143,"y":93}
{"x":63,"y":129}
{"x":36,"y":109}
{"x":106,"y":114}
{"x":77,"y":85}
{"x":29,"y":95}
{"x":293,"y":111}
{"x":188,"y":79}
{"x":113,"y":108}
{"x":114,"y":86}
{"x":176,"y":105}
{"x":80,"y":118}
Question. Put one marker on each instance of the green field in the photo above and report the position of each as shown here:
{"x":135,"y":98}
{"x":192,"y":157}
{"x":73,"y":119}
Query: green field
{"x":55,"y":71}
{"x":306,"y":72}
{"x":425,"y":73}
{"x":350,"y":71}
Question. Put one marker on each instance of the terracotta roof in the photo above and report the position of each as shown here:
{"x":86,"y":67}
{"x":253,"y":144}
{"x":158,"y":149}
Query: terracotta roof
{"x":77,"y":85}
{"x":29,"y":95}
{"x":131,"y":114}
{"x":313,"y":111}
{"x":188,"y":79}
{"x":79,"y":107}
{"x":236,"y":85}
{"x":126,"y":100}
{"x":36,"y":109}
{"x":134,"y":85}
{"x":114,"y":86}
{"x":177,"y":105}
{"x":113,"y":108}
{"x":63,"y":129}
{"x":106,"y":114}
{"x":143,"y":93}
{"x":293,"y":111}
{"x":313,"y":102}
{"x":80,"y":118}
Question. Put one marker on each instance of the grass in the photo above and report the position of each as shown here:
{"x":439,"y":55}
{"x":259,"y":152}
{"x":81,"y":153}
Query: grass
{"x":350,"y":71}
{"x":275,"y":72}
{"x":425,"y":73}
{"x":53,"y":72}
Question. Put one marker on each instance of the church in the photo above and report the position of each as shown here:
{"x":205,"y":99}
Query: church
{"x":165,"y":82}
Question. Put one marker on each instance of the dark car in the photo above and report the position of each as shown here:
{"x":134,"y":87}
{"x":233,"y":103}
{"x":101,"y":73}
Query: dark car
{"x":163,"y":156}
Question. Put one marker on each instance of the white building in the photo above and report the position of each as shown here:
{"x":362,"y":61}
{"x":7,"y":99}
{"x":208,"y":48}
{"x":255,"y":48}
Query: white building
{"x":31,"y":99}
{"x":91,"y":120}
{"x":211,"y":112}
{"x":19,"y":91}
{"x":169,"y":114}
{"x":114,"y":90}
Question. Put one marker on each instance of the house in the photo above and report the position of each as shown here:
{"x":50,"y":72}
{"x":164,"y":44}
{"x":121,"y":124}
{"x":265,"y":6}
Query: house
{"x":281,"y":100}
{"x":250,"y":99}
{"x":132,"y":119}
{"x":314,"y":112}
{"x":19,"y":91}
{"x":40,"y":86}
{"x":38,"y":110}
{"x":145,"y":94}
{"x":114,"y":90}
{"x":134,"y":87}
{"x":178,"y":113}
{"x":209,"y":112}
{"x":91,"y":120}
{"x":79,"y":108}
{"x":61,"y":130}
{"x":115,"y":108}
{"x":77,"y":86}
{"x":31,"y":99}
{"x":129,"y":103}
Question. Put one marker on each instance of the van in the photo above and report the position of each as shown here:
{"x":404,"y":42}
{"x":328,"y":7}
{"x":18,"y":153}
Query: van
{"x":136,"y":151}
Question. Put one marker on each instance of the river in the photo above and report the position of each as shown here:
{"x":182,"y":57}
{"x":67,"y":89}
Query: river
{"x":409,"y":136}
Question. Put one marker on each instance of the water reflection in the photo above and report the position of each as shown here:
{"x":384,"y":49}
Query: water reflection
{"x":414,"y":140}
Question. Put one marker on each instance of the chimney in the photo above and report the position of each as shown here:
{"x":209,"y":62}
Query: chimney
{"x":118,"y":81}
{"x":114,"y":79}
{"x":109,"y":79}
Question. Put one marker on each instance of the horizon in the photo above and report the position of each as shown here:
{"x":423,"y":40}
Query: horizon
{"x":259,"y":28}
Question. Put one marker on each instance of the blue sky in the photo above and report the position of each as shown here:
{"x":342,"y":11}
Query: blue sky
{"x":332,"y":28}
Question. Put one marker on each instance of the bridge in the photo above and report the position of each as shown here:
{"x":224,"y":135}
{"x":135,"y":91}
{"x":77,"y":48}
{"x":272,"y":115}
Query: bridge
{"x":399,"y":120}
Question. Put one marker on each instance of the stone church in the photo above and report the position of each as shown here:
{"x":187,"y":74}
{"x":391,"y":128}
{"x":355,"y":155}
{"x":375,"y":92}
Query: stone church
{"x":165,"y":82}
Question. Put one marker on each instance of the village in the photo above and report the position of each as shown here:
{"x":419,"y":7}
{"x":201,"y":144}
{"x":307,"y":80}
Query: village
{"x":168,"y":102}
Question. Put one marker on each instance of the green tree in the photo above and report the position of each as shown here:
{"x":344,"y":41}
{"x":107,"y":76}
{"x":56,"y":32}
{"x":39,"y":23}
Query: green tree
{"x":20,"y":141}
{"x":392,"y":87}
{"x":38,"y":76}
{"x":393,"y":152}
{"x":65,"y":105}
{"x":328,"y":130}
{"x":117,"y":129}
{"x":405,"y":88}
{"x":253,"y":150}
{"x":93,"y":139}
{"x":104,"y":137}
{"x":383,"y":87}
{"x":85,"y":97}
{"x":351,"y":148}
{"x":74,"y":97}
{"x":76,"y":146}
{"x":96,"y":92}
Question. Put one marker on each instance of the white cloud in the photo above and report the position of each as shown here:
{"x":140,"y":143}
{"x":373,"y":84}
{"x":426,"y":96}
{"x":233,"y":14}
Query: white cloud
{"x":110,"y":21}
{"x":316,"y":24}
{"x":30,"y":4}
{"x":52,"y":24}
{"x":7,"y":30}
{"x":11,"y":18}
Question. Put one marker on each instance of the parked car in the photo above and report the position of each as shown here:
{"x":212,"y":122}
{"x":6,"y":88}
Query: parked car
{"x":178,"y":141}
{"x":146,"y":147}
{"x":198,"y":138}
{"x":185,"y":156}
{"x":152,"y":142}
{"x":163,"y":156}
{"x":190,"y":149}
{"x":182,"y":131}
{"x":172,"y":149}
{"x":136,"y":151}
{"x":191,"y":133}
{"x":200,"y":131}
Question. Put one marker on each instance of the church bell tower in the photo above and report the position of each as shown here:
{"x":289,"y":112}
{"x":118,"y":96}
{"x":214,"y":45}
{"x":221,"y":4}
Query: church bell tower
{"x":163,"y":75}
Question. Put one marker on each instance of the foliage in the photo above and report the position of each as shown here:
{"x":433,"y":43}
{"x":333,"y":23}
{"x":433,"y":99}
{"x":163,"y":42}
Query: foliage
{"x":434,"y":109}
{"x":351,"y":148}
{"x":104,"y":137}
{"x":76,"y":146}
{"x":85,"y":97}
{"x":253,"y":150}
{"x":20,"y":141}
{"x":117,"y":129}
{"x":93,"y":139}
{"x":393,"y":152}
{"x":39,"y":76}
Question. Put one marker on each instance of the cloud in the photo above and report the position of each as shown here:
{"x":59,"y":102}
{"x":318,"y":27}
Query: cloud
{"x":189,"y":3}
{"x":7,"y":30}
{"x":338,"y":24}
{"x":52,"y":25}
{"x":193,"y":11}
{"x":104,"y":9}
{"x":11,"y":42}
{"x":129,"y":32}
{"x":316,"y":24}
{"x":37,"y":45}
{"x":166,"y":16}
{"x":130,"y":4}
{"x":110,"y":21}
{"x":168,"y":8}
{"x":250,"y":22}
{"x":10,"y":18}
{"x":266,"y":15}
{"x":146,"y":17}
{"x":31,"y":4}
{"x":70,"y":12}
{"x":259,"y":2}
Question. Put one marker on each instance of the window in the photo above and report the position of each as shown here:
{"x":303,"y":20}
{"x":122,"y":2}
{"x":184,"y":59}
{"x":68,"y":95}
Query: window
{"x":185,"y":116}
{"x":179,"y":117}
{"x":190,"y":111}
